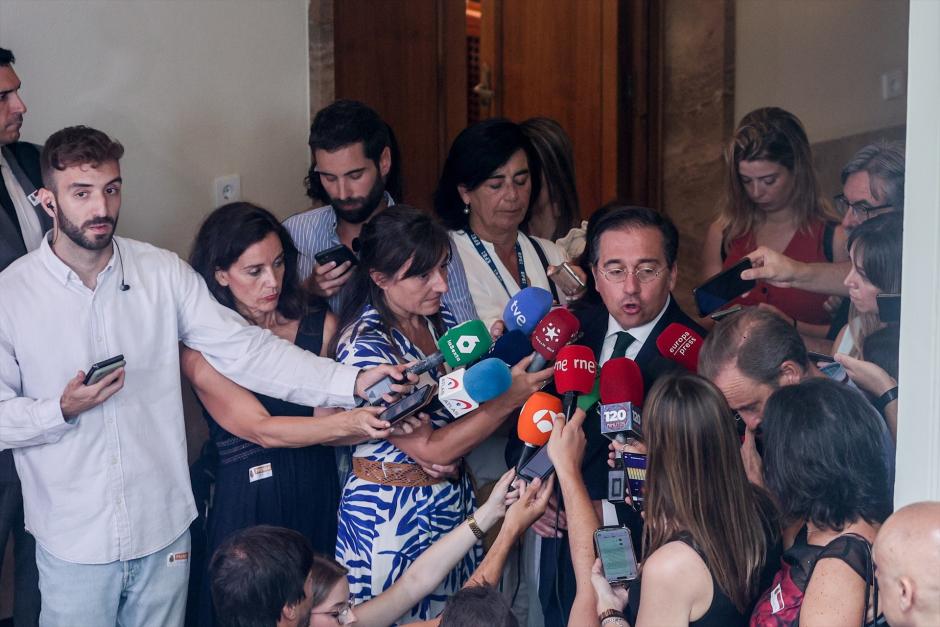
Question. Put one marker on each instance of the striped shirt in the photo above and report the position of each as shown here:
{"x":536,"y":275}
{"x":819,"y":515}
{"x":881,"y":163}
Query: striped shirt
{"x":315,"y":230}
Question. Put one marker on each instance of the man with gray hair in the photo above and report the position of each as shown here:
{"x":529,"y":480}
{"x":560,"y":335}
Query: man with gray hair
{"x":907,"y":555}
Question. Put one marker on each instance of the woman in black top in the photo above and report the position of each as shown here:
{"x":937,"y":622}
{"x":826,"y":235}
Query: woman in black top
{"x":709,"y":534}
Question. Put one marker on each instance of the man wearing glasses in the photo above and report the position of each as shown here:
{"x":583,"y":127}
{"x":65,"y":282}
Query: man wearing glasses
{"x":632,"y":254}
{"x":872,"y":184}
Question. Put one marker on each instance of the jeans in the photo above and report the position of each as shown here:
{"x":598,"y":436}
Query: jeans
{"x":143,"y":592}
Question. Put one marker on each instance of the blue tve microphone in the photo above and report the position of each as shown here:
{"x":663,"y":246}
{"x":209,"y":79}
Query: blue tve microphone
{"x":526,"y":309}
{"x":462,"y":391}
{"x":512,"y":347}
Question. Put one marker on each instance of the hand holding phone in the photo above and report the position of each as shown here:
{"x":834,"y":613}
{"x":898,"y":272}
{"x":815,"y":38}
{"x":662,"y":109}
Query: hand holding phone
{"x":567,"y":278}
{"x":86,"y":391}
{"x":722,"y":288}
{"x":407,"y":405}
{"x":615,"y":549}
{"x":331,"y":271}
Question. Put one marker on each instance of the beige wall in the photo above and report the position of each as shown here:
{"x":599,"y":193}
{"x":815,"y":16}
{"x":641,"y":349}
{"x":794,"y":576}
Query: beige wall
{"x":822,"y":60}
{"x":193,"y":89}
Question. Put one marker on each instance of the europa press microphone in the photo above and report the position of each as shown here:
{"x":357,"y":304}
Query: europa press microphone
{"x":526,"y":309}
{"x":460,"y":346}
{"x":575,"y":371}
{"x":621,"y":398}
{"x":680,"y":344}
{"x":552,"y":332}
{"x":462,"y":391}
{"x":536,"y":420}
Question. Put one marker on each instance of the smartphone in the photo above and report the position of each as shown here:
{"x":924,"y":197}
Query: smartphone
{"x":814,"y":357}
{"x":889,"y":308}
{"x":103,"y":368}
{"x":722,"y":288}
{"x":635,"y":465}
{"x":615,"y":548}
{"x":407,"y":405}
{"x":567,"y":279}
{"x":339,"y":253}
{"x":718,"y":315}
{"x":539,"y":466}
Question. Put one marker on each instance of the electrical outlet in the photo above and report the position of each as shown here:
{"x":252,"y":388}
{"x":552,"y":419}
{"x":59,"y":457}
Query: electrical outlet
{"x":892,"y":84}
{"x":228,"y":189}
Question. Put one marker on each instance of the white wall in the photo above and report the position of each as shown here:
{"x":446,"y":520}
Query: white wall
{"x":193,"y":89}
{"x":822,"y":60}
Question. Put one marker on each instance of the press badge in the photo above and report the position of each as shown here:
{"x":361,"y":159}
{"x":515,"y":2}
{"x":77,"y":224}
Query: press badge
{"x":260,"y":472}
{"x":177,"y":559}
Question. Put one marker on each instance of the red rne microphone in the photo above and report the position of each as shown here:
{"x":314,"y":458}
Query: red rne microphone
{"x":575,"y":370}
{"x":536,"y":420}
{"x":621,"y":398}
{"x":551,"y":333}
{"x":680,"y":344}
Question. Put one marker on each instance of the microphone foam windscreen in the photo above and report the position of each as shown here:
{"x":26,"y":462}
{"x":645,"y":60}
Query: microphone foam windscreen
{"x":512,"y":347}
{"x":554,"y":331}
{"x":526,"y":308}
{"x":621,"y":382}
{"x":575,"y":369}
{"x":680,"y":344}
{"x":465,"y":343}
{"x":537,"y":418}
{"x":487,"y":380}
{"x":587,"y":401}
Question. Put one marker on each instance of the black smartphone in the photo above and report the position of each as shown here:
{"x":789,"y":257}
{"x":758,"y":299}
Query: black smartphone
{"x":722,"y":288}
{"x":615,"y":548}
{"x":635,"y":466}
{"x":718,"y":315}
{"x":814,"y":357}
{"x":539,"y":466}
{"x":339,"y":253}
{"x":407,"y":405}
{"x":103,"y":368}
{"x":889,"y":308}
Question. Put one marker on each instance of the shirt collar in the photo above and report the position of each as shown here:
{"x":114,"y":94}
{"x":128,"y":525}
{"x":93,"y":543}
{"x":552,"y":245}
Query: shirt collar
{"x":640,"y":333}
{"x":58,"y":268}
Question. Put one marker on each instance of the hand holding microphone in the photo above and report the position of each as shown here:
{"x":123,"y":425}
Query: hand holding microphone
{"x":535,"y":423}
{"x":463,"y":390}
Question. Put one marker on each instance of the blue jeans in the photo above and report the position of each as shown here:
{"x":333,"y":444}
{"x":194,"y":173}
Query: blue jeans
{"x":143,"y":592}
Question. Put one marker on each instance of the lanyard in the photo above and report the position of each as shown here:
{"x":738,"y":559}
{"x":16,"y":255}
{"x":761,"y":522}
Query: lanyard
{"x":485,"y":255}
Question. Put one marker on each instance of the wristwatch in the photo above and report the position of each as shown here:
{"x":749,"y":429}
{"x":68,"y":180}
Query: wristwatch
{"x":612,"y":613}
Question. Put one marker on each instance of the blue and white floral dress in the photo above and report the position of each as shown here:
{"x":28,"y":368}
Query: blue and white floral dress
{"x":383,"y":529}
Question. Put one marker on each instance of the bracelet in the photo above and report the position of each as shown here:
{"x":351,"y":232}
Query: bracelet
{"x":886,"y":398}
{"x":475,"y":528}
{"x":611,"y":614}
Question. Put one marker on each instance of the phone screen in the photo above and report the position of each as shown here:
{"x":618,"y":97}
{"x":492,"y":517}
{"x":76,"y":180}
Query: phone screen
{"x":635,"y":465}
{"x":615,"y":548}
{"x":722,"y":288}
{"x":404,"y":407}
{"x":539,"y":466}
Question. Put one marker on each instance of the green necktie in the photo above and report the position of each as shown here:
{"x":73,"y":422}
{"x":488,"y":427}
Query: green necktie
{"x":624,"y":340}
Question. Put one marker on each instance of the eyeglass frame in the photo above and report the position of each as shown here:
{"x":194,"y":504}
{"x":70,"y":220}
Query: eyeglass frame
{"x":655,"y":276}
{"x":842,"y":200}
{"x":342,"y":615}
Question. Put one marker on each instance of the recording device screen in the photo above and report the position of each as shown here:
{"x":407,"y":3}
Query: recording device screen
{"x":407,"y":405}
{"x":723,"y":287}
{"x":635,"y":466}
{"x":615,"y":548}
{"x":538,"y":466}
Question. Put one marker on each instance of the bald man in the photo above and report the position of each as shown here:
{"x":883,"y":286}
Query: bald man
{"x":907,"y":554}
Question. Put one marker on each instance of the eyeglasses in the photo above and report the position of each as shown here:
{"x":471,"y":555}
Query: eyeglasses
{"x":861,"y":209}
{"x":341,"y":615}
{"x":643,"y":274}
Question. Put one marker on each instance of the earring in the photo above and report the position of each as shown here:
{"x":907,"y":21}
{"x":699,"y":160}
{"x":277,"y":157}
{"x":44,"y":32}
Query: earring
{"x":466,"y":209}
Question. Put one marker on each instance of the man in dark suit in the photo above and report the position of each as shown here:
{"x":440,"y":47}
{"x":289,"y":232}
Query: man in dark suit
{"x":22,"y":225}
{"x":631,"y":254}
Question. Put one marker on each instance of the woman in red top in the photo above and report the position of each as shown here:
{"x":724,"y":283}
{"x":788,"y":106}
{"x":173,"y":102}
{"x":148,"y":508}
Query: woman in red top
{"x":772,"y":199}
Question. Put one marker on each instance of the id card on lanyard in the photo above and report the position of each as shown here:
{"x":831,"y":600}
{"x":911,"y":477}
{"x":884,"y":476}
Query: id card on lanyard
{"x":485,"y":255}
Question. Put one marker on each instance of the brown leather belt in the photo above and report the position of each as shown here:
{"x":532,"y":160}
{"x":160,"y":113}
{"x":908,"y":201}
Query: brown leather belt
{"x":390,"y":473}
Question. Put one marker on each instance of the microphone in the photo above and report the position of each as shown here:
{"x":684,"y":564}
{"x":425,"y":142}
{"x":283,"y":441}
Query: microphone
{"x":621,"y":397}
{"x":575,"y":371}
{"x":526,"y":308}
{"x":552,"y":332}
{"x":512,"y":347}
{"x":460,"y":346}
{"x":680,"y":344}
{"x":587,"y":401}
{"x":536,"y":419}
{"x":463,"y":390}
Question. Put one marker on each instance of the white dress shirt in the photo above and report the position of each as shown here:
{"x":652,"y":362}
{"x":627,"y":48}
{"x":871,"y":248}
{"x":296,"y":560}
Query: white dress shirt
{"x":113,"y":483}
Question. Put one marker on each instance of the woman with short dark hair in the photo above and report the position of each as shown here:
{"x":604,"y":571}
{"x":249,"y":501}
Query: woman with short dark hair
{"x":823,"y":460}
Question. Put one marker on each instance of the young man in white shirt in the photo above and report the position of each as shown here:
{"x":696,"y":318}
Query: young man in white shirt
{"x":103,"y":466}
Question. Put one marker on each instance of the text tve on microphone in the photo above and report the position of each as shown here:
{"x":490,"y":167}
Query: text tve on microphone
{"x":526,"y":309}
{"x":621,"y":390}
{"x":680,"y":344}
